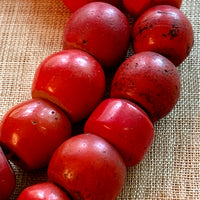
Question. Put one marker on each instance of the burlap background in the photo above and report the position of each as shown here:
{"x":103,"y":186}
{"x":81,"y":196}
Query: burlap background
{"x":30,"y":30}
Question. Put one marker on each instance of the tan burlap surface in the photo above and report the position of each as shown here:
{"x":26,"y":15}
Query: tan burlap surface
{"x":30,"y":30}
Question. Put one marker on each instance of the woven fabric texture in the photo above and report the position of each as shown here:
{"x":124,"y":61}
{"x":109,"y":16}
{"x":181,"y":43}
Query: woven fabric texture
{"x":31,"y":30}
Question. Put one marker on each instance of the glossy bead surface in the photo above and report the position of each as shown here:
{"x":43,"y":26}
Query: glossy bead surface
{"x":137,"y":7}
{"x":43,"y":191}
{"x":88,"y":167}
{"x":125,"y":125}
{"x":100,"y":29}
{"x":71,"y":79}
{"x":73,"y":5}
{"x":7,"y":178}
{"x":151,"y":81}
{"x":166,"y":30}
{"x":32,"y":130}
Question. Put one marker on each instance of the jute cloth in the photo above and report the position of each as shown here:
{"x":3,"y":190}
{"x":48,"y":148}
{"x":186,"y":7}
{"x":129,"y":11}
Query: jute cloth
{"x":30,"y":30}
